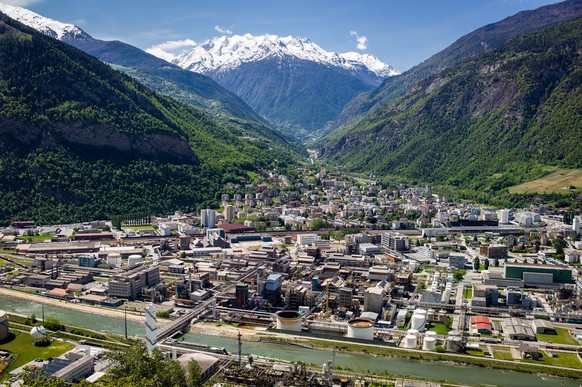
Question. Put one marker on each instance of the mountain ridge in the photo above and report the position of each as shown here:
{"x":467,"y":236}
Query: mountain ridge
{"x":82,"y":141}
{"x":492,"y":121}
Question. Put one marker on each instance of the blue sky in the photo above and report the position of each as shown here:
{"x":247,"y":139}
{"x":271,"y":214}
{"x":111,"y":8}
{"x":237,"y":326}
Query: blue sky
{"x":401,"y":33}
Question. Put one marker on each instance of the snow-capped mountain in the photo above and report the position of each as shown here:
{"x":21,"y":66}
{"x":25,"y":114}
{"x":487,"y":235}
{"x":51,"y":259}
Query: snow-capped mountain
{"x":290,"y":80}
{"x":49,"y":27}
{"x":226,"y":53}
{"x":158,"y":74}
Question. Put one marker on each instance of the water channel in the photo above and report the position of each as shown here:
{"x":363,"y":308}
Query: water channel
{"x":356,"y":362}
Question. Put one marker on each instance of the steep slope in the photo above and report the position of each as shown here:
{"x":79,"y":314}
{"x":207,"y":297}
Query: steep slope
{"x":485,"y":124}
{"x":485,"y":38}
{"x":82,"y":141}
{"x":292,"y":81}
{"x":166,"y":78}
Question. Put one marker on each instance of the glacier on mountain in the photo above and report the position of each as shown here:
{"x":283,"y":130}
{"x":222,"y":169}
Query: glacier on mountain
{"x":226,"y":53}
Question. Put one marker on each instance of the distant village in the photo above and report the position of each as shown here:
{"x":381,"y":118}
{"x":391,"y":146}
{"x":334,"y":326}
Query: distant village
{"x":328,"y":255}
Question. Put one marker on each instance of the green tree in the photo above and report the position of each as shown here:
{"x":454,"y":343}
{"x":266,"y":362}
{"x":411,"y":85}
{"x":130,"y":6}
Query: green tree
{"x":476,"y":264}
{"x":134,"y":366}
{"x":486,"y":264}
{"x":496,"y":262}
{"x":194,"y":375}
{"x":459,"y":274}
{"x":53,"y":324}
{"x":317,"y":224}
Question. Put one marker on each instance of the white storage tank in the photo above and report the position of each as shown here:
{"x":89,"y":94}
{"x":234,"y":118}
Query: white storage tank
{"x":134,"y":259}
{"x":412,"y":332}
{"x":430,"y":315}
{"x":361,"y":328}
{"x":114,"y":259}
{"x":410,"y":341}
{"x":430,"y":334}
{"x":289,"y":320}
{"x":420,"y":311}
{"x":4,"y":332}
{"x":429,"y":343}
{"x":418,"y":321}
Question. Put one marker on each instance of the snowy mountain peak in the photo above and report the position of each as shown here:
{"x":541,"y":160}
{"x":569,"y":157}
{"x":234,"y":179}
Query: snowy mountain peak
{"x":46,"y":26}
{"x":225,"y":53}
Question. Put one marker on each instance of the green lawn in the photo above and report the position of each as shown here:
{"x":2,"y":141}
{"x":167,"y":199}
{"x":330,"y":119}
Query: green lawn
{"x":137,"y":228}
{"x":474,"y":352}
{"x":562,"y":359}
{"x":562,"y":337}
{"x":467,"y":292}
{"x":439,"y":328}
{"x":20,"y":345}
{"x":35,"y":238}
{"x":502,"y":355}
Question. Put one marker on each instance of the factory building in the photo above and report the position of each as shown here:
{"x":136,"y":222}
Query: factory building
{"x":538,"y":274}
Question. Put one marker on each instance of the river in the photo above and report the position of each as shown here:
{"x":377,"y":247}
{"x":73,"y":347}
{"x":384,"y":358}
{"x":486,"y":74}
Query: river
{"x":356,"y":362}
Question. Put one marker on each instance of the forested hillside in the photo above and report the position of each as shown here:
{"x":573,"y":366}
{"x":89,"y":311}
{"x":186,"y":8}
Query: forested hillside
{"x":82,"y":141}
{"x":488,"y":123}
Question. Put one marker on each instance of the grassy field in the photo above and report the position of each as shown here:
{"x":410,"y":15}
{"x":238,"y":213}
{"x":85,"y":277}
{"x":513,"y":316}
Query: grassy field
{"x":556,"y":182}
{"x":20,"y":345}
{"x":502,"y":355}
{"x":467,"y":292}
{"x":562,"y":337}
{"x":562,"y":359}
{"x":439,"y":328}
{"x":138,"y":228}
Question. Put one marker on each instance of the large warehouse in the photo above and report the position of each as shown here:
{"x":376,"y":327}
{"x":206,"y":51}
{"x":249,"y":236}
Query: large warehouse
{"x":538,"y":274}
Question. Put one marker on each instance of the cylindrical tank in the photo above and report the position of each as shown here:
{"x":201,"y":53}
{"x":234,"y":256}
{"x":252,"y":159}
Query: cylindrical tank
{"x":454,"y":343}
{"x":418,"y":321}
{"x":420,"y":311}
{"x":3,"y":325}
{"x":114,"y":259}
{"x":410,"y":341}
{"x":430,"y":334}
{"x":442,"y":315}
{"x":361,"y":328}
{"x":289,"y":320}
{"x":412,"y":332}
{"x":134,"y":259}
{"x":428,"y":344}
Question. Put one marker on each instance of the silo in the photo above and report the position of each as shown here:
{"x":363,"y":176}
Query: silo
{"x":289,"y":320}
{"x":361,"y":328}
{"x":418,"y":321}
{"x":134,"y":259}
{"x":413,"y":332}
{"x":410,"y":341}
{"x":114,"y":259}
{"x":454,"y":343}
{"x":3,"y":325}
{"x":429,"y":343}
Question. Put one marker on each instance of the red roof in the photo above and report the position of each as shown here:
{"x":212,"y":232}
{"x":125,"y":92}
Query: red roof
{"x":234,"y":227}
{"x":480,"y":320}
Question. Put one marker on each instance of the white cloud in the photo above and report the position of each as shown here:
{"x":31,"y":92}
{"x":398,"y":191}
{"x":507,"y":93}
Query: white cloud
{"x":361,"y":40}
{"x":171,"y":48}
{"x":222,"y":30}
{"x":22,"y":3}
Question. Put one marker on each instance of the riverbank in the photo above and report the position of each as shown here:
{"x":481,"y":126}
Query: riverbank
{"x":225,"y":330}
{"x":99,"y":310}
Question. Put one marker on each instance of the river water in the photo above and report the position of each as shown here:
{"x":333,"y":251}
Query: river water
{"x":356,"y":362}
